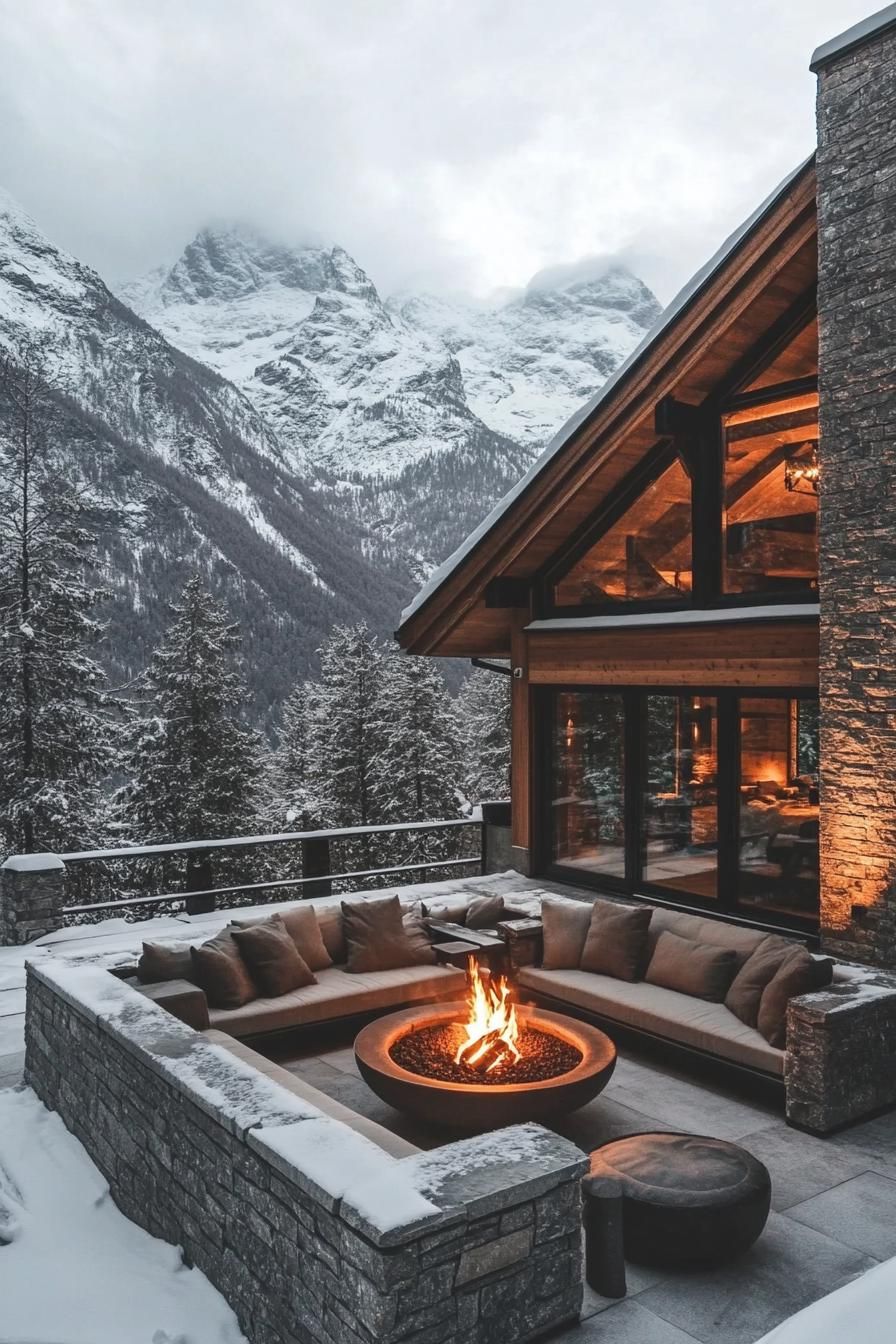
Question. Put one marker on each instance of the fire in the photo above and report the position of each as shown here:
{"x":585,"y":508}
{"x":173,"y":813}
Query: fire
{"x":492,"y":1030}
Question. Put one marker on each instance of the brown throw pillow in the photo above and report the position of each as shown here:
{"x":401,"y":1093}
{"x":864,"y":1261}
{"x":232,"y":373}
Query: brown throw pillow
{"x":219,"y":969}
{"x":616,"y":943}
{"x":799,"y":974}
{"x":302,"y":926}
{"x":565,"y":925}
{"x":273,"y":959}
{"x":329,"y":921}
{"x":697,"y":969}
{"x":758,"y":970}
{"x":483,"y":912}
{"x":164,"y":961}
{"x":375,"y":936}
{"x":421,"y":949}
{"x":454,"y":912}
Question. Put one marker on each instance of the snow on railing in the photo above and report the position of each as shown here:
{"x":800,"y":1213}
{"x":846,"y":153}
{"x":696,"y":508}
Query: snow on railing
{"x":199,"y":895}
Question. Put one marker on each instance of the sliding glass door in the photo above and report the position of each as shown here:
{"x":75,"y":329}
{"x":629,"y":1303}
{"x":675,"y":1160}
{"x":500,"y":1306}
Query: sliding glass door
{"x":588,"y":785}
{"x":704,"y":798}
{"x":679,"y":804}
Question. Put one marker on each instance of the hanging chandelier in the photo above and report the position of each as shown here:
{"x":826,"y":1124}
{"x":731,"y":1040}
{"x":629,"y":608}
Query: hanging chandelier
{"x":801,"y":469}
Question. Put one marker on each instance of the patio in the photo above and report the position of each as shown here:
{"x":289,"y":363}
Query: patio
{"x":832,"y":1199}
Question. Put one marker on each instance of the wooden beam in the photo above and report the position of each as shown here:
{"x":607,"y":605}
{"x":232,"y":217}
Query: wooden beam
{"x":520,"y":738}
{"x":676,"y":417}
{"x":505,"y":591}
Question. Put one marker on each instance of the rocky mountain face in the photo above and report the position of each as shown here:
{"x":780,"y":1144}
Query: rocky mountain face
{"x":414,"y":415}
{"x":198,"y":472}
{"x":529,"y":363}
{"x":268,"y":419}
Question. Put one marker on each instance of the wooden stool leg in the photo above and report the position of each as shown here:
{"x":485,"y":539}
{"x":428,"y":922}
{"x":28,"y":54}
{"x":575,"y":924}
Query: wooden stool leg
{"x":604,"y":1246}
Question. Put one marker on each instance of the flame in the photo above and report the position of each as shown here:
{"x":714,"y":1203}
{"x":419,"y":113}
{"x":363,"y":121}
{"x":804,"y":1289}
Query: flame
{"x":492,"y":1030}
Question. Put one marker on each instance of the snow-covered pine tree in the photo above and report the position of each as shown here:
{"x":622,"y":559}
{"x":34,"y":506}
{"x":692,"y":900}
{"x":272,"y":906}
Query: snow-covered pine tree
{"x":55,"y":732}
{"x":482,"y":707}
{"x":193,"y":769}
{"x":417,"y":772}
{"x":287,"y":801}
{"x":345,"y":738}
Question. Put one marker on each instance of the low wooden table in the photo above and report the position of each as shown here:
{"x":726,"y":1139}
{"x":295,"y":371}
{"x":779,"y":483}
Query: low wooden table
{"x":456,"y":953}
{"x":523,"y":939}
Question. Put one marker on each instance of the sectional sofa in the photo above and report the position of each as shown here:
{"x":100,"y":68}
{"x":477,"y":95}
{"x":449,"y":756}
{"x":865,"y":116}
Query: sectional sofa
{"x":836,"y":1063}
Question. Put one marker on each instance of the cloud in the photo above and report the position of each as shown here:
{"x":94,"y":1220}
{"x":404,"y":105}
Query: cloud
{"x":446,"y":143}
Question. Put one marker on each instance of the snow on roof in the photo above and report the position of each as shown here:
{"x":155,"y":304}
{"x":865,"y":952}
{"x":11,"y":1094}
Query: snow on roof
{"x":782,"y":612}
{"x":663,"y":322}
{"x":853,"y":37}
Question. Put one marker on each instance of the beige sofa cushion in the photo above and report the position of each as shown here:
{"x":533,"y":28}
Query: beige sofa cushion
{"x":712,"y":931}
{"x":697,"y":969}
{"x":339,"y":994}
{"x":565,"y":926}
{"x":617,"y":940}
{"x":389,"y":1142}
{"x":329,"y":921}
{"x":662,"y":1012}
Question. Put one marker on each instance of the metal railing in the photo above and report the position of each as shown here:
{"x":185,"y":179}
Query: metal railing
{"x":199,"y":893}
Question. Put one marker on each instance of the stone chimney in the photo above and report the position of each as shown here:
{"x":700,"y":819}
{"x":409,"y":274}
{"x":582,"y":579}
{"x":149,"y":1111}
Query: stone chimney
{"x":857,"y":528}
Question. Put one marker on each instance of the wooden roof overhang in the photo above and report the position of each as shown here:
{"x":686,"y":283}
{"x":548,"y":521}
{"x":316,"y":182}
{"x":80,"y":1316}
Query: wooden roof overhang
{"x":761,"y":281}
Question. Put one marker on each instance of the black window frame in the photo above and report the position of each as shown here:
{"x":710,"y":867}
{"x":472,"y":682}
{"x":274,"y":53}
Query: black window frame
{"x":726,"y":904}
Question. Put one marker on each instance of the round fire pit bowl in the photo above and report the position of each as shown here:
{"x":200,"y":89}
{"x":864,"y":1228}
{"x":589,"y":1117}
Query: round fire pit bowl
{"x":478,"y":1106}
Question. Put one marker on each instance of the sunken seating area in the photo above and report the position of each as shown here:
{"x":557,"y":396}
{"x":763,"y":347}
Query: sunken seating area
{"x":825,"y":1043}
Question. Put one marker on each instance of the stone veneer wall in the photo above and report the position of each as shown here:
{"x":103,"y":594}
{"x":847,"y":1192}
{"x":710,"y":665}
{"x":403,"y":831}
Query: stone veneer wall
{"x":31,"y":896}
{"x":280,"y":1207}
{"x":857,"y":320}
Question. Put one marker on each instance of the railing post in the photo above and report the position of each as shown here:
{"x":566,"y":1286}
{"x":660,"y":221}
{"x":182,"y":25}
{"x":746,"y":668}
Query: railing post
{"x":497,"y":856}
{"x":31,"y":897}
{"x":199,"y":878}
{"x":316,"y":863}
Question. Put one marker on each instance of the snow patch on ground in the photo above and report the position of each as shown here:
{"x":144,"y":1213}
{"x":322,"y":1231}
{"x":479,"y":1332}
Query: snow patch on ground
{"x":75,"y":1270}
{"x":861,"y":1310}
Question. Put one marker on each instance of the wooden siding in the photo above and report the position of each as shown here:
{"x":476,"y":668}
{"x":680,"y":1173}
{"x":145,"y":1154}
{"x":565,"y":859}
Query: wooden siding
{"x":735,"y":654}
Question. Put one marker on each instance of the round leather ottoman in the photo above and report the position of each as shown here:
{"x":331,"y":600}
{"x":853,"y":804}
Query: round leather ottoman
{"x":687,"y":1201}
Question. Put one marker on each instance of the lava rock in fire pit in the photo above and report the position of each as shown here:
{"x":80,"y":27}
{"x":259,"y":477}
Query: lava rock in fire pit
{"x":431,"y":1053}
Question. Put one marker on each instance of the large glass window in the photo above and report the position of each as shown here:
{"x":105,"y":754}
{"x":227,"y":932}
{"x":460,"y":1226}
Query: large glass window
{"x":771,"y":497}
{"x":703,"y":798}
{"x":778,"y":805}
{"x":680,"y":827}
{"x":644,"y":556}
{"x":588,"y":786}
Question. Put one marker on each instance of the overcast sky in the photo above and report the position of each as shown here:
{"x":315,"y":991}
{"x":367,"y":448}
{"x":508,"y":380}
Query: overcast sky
{"x":448,"y":144}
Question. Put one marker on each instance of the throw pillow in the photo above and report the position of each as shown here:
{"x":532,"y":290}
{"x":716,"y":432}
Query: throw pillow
{"x":758,"y":970}
{"x":375,"y":937}
{"x":565,"y":925}
{"x":275,"y":963}
{"x":799,"y":974}
{"x":697,"y":969}
{"x":329,"y":921}
{"x":616,"y":943}
{"x":483,"y":912}
{"x":421,"y":948}
{"x":454,"y":912}
{"x":302,"y":926}
{"x":164,"y":961}
{"x":219,"y":969}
